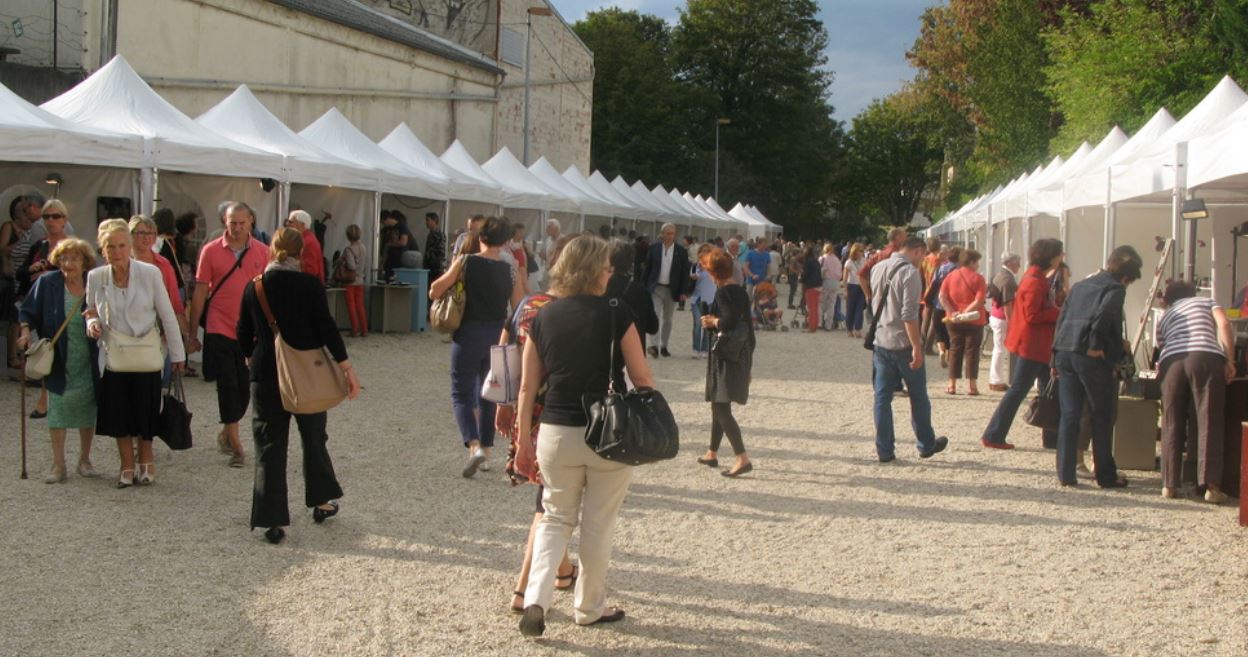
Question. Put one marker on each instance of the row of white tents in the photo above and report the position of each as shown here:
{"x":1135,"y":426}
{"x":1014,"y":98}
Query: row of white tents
{"x":113,"y":137}
{"x":1130,"y":190}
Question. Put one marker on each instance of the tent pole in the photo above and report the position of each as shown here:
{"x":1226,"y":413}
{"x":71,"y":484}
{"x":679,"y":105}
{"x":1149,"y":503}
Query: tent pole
{"x":375,"y":220}
{"x":1176,"y":218}
{"x":147,"y":191}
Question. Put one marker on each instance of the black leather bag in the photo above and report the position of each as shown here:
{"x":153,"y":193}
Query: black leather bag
{"x":1043,"y":411}
{"x":634,"y":428}
{"x":175,"y":418}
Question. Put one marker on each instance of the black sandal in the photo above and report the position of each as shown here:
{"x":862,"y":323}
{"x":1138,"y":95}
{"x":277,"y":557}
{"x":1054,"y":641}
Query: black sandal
{"x":576,"y":572}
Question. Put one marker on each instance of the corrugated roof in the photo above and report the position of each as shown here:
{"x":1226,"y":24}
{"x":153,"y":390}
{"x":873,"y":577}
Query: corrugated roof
{"x":356,"y":16}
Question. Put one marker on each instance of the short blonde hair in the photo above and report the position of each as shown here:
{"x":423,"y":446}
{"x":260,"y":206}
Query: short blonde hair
{"x":141,"y":220}
{"x":55,"y":204}
{"x":107,"y":228}
{"x":70,"y":246}
{"x":855,"y":251}
{"x":287,"y":243}
{"x":580,"y":266}
{"x":829,"y":248}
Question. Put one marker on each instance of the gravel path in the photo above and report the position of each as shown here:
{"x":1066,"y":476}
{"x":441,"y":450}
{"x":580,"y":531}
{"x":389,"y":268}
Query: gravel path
{"x":822,"y":551}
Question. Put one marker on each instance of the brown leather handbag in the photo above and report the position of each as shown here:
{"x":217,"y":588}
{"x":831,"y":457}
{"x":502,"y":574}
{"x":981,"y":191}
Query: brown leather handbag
{"x":309,"y":380}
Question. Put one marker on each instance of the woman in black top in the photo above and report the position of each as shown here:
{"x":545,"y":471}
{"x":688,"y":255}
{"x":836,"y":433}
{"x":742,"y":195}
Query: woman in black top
{"x":302,"y":313}
{"x":572,"y":344}
{"x":623,"y":287}
{"x":727,"y":380}
{"x":489,"y":286}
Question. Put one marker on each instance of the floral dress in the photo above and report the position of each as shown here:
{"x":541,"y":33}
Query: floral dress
{"x":74,"y":408}
{"x":523,"y":323}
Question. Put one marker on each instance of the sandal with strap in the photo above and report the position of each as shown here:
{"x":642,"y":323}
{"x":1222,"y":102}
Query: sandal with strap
{"x":571,"y":579}
{"x":514,"y":608}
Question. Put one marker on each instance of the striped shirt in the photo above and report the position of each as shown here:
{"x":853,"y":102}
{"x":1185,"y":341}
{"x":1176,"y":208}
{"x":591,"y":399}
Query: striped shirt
{"x":1188,"y":326}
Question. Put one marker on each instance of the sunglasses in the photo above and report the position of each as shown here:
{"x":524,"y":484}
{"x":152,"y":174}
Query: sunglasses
{"x":54,"y":215}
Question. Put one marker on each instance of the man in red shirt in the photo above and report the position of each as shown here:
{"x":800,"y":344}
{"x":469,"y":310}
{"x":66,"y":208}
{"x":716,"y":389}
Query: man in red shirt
{"x":313,"y":259}
{"x":225,"y":266}
{"x":896,"y":237}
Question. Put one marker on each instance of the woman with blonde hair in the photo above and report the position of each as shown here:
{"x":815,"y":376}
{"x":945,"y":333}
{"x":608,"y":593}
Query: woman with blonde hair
{"x":56,"y":301}
{"x":127,"y":298}
{"x":855,"y":300}
{"x":298,"y":304}
{"x":574,"y":341}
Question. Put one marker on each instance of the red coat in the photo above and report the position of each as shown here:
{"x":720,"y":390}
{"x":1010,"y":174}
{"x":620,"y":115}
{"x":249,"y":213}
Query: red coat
{"x":313,"y":259}
{"x":1030,"y":333}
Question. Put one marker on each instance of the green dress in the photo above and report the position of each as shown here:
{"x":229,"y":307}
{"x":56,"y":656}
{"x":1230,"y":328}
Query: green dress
{"x":75,"y":408}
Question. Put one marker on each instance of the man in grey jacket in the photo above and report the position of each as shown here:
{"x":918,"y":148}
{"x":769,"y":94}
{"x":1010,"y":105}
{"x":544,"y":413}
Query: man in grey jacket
{"x":898,"y":352}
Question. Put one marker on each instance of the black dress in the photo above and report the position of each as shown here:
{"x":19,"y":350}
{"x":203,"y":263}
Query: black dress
{"x":730,"y":382}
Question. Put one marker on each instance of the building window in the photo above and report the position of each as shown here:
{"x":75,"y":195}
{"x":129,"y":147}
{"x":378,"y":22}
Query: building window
{"x":511,"y":48}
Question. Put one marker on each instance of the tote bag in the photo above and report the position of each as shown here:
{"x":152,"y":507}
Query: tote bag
{"x":308,"y":379}
{"x":502,"y":384}
{"x":447,"y":311}
{"x":42,"y":352}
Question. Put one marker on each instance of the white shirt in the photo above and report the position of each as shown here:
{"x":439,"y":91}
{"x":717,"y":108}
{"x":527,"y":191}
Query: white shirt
{"x":665,"y":270}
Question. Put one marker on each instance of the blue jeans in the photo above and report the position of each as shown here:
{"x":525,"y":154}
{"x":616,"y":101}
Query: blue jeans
{"x":855,"y":304}
{"x":1083,"y":379}
{"x":891,"y":369}
{"x":470,"y":364}
{"x":1026,"y":373}
{"x":701,"y":339}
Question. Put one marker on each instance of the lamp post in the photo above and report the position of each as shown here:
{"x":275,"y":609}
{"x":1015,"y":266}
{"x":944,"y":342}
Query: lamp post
{"x":718,"y":122}
{"x":528,"y":61}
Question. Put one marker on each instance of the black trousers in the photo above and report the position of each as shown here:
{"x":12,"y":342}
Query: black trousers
{"x":270,"y":426}
{"x":722,"y":422}
{"x":223,"y":361}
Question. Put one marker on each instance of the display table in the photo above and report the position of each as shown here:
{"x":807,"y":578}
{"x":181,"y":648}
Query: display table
{"x":418,"y":279}
{"x":337,"y":298}
{"x":1136,"y":433}
{"x":390,"y":308}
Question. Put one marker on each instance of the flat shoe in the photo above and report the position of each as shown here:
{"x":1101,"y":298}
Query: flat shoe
{"x":533,"y":622}
{"x":714,"y":463}
{"x":614,"y":616}
{"x":320,"y":515}
{"x":941,"y":443}
{"x":85,"y":469}
{"x":748,"y":467}
{"x":1120,"y":482}
{"x":237,"y":460}
{"x":991,"y":445}
{"x":38,"y":414}
{"x":274,"y":535}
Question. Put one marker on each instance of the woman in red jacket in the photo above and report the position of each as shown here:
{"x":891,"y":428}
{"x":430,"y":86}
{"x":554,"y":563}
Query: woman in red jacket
{"x":962,"y":296}
{"x":1030,"y":337}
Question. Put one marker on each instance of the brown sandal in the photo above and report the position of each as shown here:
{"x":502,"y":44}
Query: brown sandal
{"x":576,"y":572}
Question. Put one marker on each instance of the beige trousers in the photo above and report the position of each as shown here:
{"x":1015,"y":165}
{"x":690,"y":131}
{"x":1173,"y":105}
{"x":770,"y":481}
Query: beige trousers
{"x":579,"y":483}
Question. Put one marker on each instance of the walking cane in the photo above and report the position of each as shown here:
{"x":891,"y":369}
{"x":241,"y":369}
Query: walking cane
{"x":23,"y":379}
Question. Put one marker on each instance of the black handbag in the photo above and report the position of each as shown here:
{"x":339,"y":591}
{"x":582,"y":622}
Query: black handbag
{"x":634,"y":428}
{"x":1043,"y":411}
{"x":175,"y":418}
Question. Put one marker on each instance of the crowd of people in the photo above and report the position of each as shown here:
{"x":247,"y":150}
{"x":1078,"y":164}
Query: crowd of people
{"x":585,"y":314}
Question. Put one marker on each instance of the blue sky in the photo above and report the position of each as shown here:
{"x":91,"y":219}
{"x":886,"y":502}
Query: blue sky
{"x":867,"y":47}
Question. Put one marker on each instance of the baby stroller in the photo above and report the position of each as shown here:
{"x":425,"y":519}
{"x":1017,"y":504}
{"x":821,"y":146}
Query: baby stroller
{"x":768,"y":315}
{"x":799,"y":316}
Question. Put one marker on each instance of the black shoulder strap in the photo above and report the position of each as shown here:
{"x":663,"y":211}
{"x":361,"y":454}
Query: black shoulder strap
{"x":217,"y":286}
{"x":613,"y":303}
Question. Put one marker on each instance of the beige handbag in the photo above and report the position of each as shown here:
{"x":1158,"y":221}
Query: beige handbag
{"x":309,"y":380}
{"x":42,"y":352}
{"x":126,"y":353}
{"x":447,"y":311}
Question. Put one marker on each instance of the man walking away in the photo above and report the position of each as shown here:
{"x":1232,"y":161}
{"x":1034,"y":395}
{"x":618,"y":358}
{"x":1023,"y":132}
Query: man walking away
{"x":667,"y":280}
{"x":898,"y":353}
{"x":1001,"y":291}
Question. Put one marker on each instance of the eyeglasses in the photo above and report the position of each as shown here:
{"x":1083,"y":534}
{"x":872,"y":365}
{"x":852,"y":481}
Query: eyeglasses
{"x":53,"y":215}
{"x":143,"y":233}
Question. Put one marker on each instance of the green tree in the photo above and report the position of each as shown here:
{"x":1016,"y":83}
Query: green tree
{"x":762,"y":65}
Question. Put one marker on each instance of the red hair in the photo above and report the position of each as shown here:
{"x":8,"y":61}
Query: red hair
{"x":718,"y":264}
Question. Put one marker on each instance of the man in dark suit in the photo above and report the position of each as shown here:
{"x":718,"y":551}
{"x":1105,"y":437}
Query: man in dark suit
{"x":667,"y":280}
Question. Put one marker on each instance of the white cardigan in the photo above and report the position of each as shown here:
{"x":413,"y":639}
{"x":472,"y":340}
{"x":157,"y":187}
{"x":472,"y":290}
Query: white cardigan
{"x":134,"y":309}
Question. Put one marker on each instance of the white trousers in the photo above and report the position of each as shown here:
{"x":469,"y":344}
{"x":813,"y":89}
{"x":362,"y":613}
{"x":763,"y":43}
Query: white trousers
{"x":578,"y":483}
{"x":827,"y":304}
{"x":664,"y":307}
{"x":999,"y":369}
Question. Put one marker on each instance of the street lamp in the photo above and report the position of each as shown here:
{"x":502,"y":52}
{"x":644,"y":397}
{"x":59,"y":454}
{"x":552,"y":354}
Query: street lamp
{"x":718,"y":122}
{"x":528,"y":60}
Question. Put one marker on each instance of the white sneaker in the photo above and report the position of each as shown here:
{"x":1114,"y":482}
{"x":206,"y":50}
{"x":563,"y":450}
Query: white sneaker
{"x":1215,"y":496}
{"x":485,"y":466}
{"x":474,"y":463}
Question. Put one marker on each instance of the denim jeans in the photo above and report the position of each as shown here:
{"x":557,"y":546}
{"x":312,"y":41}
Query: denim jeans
{"x":891,"y":368}
{"x":855,"y":303}
{"x":701,"y":338}
{"x":470,"y":364}
{"x":1084,"y":379}
{"x":1025,"y":377}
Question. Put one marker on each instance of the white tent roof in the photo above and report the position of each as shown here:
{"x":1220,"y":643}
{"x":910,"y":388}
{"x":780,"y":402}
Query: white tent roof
{"x":641,"y":197}
{"x":115,"y":98}
{"x":685,"y":214}
{"x":523,"y":189}
{"x":588,"y":203}
{"x":725,"y":219}
{"x":461,"y":165}
{"x":1016,"y":204}
{"x":754,"y":227}
{"x":1219,"y":160}
{"x":30,"y":134}
{"x":609,"y":190}
{"x":407,"y":148}
{"x":1148,"y":173}
{"x":243,"y":118}
{"x":620,"y":207}
{"x":707,"y":217}
{"x":1047,"y":200}
{"x":759,"y":214}
{"x":1090,"y":187}
{"x":334,"y":133}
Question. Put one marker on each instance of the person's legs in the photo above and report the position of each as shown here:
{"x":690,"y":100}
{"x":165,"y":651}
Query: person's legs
{"x":667,"y":307}
{"x":355,"y":301}
{"x":885,"y":382}
{"x":1209,"y":390}
{"x":1073,"y":398}
{"x":827,"y":306}
{"x":1003,"y":418}
{"x":270,"y":428}
{"x":58,"y":454}
{"x":320,"y":485}
{"x":812,"y":308}
{"x":85,"y":436}
{"x":465,"y":393}
{"x":957,"y":352}
{"x":1097,"y":379}
{"x":232,"y":382}
{"x":920,"y":403}
{"x":723,"y":421}
{"x":486,"y":408}
{"x":717,"y":431}
{"x":606,"y":485}
{"x":564,"y":476}
{"x":1175,"y":396}
{"x":998,"y":368}
{"x":697,"y":328}
{"x":855,"y":302}
{"x":793,"y":285}
{"x":971,"y":353}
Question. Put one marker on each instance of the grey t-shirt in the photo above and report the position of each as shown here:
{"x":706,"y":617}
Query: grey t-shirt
{"x":905,"y":289}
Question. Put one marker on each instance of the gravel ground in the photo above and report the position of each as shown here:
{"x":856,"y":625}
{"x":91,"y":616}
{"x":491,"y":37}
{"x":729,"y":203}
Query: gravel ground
{"x":822,"y":551}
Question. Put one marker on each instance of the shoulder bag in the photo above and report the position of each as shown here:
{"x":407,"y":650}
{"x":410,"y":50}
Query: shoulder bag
{"x":42,"y":352}
{"x":502,"y":384}
{"x":175,"y":418}
{"x":128,"y":353}
{"x":203,"y":316}
{"x":634,"y":428}
{"x":309,"y":380}
{"x":868,"y":340}
{"x":447,"y":311}
{"x":1043,"y":410}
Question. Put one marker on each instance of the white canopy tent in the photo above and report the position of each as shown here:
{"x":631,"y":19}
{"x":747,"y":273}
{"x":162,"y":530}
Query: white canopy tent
{"x":595,"y":213}
{"x":460,"y":163}
{"x":334,"y":133}
{"x":756,"y":227}
{"x":528,"y":199}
